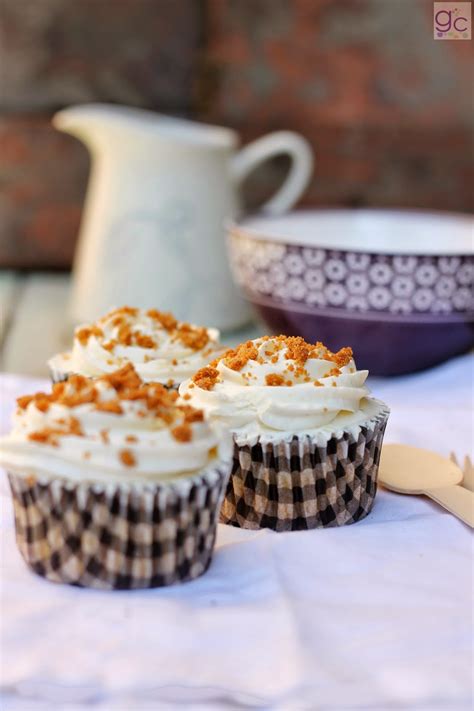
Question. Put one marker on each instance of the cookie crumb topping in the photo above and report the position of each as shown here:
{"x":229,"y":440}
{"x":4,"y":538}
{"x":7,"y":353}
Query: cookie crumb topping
{"x":118,"y":394}
{"x":206,"y":378}
{"x":240,"y":356}
{"x":270,"y":350}
{"x":83,"y":334}
{"x":274,"y":379}
{"x":127,"y":332}
{"x":182,"y":433}
{"x":62,"y":428}
{"x":127,"y":457}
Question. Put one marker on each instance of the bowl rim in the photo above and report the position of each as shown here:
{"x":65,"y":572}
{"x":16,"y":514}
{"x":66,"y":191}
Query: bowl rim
{"x":436,"y":243}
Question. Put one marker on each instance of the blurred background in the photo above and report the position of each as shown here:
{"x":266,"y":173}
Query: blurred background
{"x":387,"y":109}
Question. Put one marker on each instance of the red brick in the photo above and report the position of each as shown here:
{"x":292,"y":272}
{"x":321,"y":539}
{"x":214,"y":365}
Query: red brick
{"x":138,"y":52}
{"x":43,"y":175}
{"x":386,"y":108}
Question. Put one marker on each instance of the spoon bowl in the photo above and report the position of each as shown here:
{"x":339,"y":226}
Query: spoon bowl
{"x":410,"y":470}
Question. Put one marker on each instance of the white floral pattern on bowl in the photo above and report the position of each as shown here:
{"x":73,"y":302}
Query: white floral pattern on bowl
{"x":354,"y":281}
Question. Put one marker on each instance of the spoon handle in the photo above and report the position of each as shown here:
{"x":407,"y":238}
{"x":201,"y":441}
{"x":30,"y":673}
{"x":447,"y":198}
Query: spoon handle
{"x":456,"y":499}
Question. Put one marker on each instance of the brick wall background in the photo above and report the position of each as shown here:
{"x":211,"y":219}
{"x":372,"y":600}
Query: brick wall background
{"x":59,"y":52}
{"x":387,"y":109}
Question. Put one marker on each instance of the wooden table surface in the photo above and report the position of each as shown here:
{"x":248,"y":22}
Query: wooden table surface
{"x":33,"y":324}
{"x":34,"y":321}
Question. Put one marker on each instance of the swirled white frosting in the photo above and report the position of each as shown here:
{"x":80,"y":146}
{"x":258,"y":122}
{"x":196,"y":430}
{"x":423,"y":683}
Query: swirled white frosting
{"x":160,"y":348}
{"x":274,"y":391}
{"x":80,"y":442}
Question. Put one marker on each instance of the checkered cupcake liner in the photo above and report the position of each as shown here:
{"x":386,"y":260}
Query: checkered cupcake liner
{"x":304,"y":482}
{"x":118,"y":536}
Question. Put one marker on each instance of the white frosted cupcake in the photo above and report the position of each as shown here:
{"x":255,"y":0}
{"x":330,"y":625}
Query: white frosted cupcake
{"x":160,"y":348}
{"x":307,"y":436}
{"x":115,"y":483}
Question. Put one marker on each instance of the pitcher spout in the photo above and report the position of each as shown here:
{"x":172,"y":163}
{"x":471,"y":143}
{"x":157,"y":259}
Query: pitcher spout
{"x":87,"y":122}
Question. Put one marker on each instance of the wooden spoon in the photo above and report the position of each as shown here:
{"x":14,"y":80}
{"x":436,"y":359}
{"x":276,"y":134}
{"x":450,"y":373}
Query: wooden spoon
{"x":410,"y":470}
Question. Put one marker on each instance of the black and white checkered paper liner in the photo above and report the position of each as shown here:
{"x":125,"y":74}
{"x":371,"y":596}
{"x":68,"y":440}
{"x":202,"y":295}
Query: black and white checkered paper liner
{"x":118,"y":536}
{"x":301,"y":484}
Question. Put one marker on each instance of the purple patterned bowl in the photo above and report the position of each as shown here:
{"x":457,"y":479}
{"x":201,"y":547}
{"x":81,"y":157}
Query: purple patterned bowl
{"x":395,"y":285}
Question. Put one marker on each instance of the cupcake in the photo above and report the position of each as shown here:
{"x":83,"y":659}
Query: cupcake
{"x":307,"y":436}
{"x":160,"y":348}
{"x":115,"y":483}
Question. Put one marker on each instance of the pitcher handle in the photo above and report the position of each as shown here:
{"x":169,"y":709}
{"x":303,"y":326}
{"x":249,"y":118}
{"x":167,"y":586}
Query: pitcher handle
{"x":277,"y":143}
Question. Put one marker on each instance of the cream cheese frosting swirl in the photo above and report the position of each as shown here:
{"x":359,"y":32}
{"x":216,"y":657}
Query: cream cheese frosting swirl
{"x":280,"y":384}
{"x":114,"y":428}
{"x":161,"y":348}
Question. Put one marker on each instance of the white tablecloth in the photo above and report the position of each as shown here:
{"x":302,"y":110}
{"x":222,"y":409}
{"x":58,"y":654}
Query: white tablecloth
{"x":376,"y":615}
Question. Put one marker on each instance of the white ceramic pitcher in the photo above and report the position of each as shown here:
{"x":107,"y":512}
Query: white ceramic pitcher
{"x":159,"y":192}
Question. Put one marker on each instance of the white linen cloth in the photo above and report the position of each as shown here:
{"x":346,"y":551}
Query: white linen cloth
{"x":375,"y":615}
